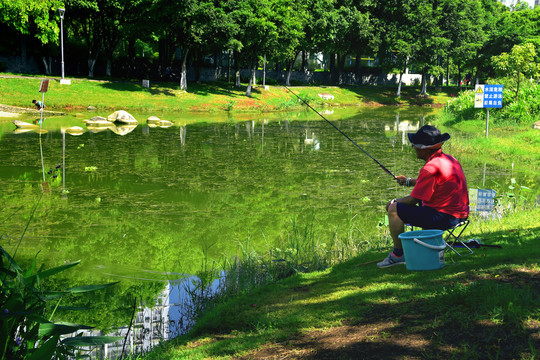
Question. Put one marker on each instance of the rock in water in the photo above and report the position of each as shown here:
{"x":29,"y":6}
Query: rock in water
{"x":123,"y":117}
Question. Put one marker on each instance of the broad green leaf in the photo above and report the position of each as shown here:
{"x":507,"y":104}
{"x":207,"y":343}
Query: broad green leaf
{"x":32,"y":266}
{"x":73,"y":308}
{"x":87,"y":288}
{"x":50,"y":272}
{"x":90,"y":340}
{"x":45,"y":351}
{"x":49,"y":329}
{"x":12,"y":262}
{"x":52,"y":295}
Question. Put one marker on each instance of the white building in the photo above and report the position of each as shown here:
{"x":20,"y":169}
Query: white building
{"x":532,"y":3}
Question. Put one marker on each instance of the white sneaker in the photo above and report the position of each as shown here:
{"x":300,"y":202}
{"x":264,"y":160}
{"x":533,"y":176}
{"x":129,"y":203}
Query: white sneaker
{"x":391,"y":260}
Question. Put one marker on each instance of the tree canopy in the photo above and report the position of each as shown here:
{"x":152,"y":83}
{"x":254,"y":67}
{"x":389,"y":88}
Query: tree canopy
{"x":434,"y":37}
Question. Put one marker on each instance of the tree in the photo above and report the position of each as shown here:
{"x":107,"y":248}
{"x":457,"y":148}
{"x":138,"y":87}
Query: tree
{"x":257,"y":32}
{"x":519,"y":62}
{"x":430,"y":43}
{"x":344,"y":28}
{"x":290,"y":20}
{"x":467,"y":37}
{"x":191,"y":24}
{"x":397,"y":26}
{"x":114,"y":16}
{"x":30,"y":17}
{"x":86,"y":28}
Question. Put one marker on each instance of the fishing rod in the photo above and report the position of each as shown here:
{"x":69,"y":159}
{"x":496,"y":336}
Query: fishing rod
{"x":342,"y":133}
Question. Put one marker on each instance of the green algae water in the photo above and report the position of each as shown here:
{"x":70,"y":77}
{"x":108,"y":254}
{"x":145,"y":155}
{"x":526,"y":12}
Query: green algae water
{"x":152,"y":205}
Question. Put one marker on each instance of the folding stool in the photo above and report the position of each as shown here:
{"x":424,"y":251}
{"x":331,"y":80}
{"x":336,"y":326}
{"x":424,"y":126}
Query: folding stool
{"x":453,"y":234}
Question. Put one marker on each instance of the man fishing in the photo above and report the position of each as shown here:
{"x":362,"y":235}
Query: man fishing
{"x":439,"y":199}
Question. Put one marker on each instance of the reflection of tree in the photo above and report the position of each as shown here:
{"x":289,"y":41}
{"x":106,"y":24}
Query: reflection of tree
{"x":152,"y":200}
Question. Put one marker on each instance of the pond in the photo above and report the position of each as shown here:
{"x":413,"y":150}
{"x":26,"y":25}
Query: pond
{"x":150,"y":207}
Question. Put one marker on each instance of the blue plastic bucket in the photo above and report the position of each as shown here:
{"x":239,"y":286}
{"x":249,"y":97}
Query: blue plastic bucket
{"x":423,"y":249}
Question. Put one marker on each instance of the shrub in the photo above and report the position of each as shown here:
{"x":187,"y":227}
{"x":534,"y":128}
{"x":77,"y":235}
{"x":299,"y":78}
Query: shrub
{"x":517,"y":110}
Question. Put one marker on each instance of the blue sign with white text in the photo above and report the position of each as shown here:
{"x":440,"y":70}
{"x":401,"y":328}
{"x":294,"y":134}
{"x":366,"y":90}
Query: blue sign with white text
{"x":493,"y":96}
{"x":488,"y":96}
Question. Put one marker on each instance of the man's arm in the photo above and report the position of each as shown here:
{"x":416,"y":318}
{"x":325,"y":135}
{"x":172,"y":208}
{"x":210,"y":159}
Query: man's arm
{"x":409,"y":200}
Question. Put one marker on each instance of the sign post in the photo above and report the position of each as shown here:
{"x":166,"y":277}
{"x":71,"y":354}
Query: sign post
{"x":43,"y":89}
{"x":488,"y":96}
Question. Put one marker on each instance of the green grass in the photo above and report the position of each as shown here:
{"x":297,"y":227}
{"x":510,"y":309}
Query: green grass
{"x":211,"y":97}
{"x":490,"y":297}
{"x":504,"y":146}
{"x":478,"y":307}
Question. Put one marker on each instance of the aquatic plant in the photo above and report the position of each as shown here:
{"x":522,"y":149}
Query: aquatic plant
{"x":27,"y":330}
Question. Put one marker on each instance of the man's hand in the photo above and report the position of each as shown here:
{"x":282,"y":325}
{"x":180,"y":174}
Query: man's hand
{"x":401,"y":179}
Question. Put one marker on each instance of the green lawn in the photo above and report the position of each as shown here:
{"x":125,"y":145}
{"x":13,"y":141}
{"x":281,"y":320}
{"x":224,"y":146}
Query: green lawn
{"x":19,"y":91}
{"x":482,"y":306}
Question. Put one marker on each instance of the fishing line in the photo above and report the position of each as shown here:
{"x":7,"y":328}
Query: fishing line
{"x":27,"y":224}
{"x":342,"y":133}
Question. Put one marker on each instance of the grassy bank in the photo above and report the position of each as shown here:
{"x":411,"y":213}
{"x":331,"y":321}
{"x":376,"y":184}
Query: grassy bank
{"x":483,"y":306}
{"x":478,"y":307}
{"x":19,"y":91}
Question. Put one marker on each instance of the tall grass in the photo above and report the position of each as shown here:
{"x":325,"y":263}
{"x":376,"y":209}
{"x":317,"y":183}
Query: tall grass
{"x":304,"y":249}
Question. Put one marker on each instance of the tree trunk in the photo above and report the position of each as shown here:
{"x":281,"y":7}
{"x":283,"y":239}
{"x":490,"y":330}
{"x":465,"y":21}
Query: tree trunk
{"x":290,"y":65}
{"x":341,"y":68}
{"x":357,"y":64}
{"x":91,"y":66}
{"x":197,"y":61}
{"x":304,"y":61}
{"x":398,"y":93}
{"x":229,"y":66}
{"x":47,"y":63}
{"x":183,"y":75}
{"x":459,"y":76}
{"x":264,"y":71}
{"x":237,"y":80}
{"x":251,"y":76}
{"x":448,"y":70}
{"x":424,"y":83}
{"x":288,"y":75}
{"x":108,"y":68}
{"x":218,"y":64}
{"x":441,"y":75}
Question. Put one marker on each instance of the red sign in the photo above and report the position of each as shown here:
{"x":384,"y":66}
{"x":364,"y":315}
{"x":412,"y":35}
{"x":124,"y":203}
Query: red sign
{"x":44,"y":86}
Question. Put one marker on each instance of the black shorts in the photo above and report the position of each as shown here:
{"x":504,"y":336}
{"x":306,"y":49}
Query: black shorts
{"x":426,"y":217}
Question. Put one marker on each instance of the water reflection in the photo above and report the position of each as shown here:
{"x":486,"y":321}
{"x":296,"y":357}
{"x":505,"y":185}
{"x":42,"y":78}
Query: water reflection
{"x":405,"y":126}
{"x":152,"y":198}
{"x":170,"y":316}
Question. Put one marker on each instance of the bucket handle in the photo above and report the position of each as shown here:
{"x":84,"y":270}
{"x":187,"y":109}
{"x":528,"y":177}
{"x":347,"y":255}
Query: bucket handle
{"x":441,"y":247}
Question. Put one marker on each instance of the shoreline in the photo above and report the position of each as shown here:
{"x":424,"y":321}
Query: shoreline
{"x":15,"y":111}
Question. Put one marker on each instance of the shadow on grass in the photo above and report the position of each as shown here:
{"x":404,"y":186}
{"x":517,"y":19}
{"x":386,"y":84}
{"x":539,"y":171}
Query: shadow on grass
{"x":171,"y":89}
{"x":477,"y":307}
{"x":164,"y":88}
{"x":410,"y":95}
